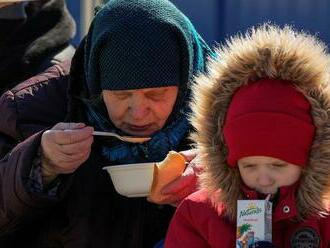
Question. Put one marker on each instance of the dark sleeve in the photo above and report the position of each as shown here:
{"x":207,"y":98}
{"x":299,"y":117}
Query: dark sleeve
{"x":27,"y":110}
{"x":17,"y":204}
{"x":35,"y":183}
{"x":9,"y":135}
{"x":32,"y":106}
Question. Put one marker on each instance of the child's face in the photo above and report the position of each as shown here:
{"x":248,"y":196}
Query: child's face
{"x":267,"y":174}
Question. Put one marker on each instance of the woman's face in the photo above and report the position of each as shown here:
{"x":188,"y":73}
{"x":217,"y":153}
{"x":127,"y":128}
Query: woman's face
{"x":6,"y":4}
{"x":267,"y":174}
{"x":140,"y":112}
{"x":12,"y":2}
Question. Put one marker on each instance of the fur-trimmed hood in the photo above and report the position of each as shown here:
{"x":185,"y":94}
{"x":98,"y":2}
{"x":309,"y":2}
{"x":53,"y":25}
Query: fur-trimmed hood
{"x":58,"y":31}
{"x":29,"y":47}
{"x":264,"y":52}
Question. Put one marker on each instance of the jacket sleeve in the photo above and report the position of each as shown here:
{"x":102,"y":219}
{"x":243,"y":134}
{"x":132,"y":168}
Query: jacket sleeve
{"x":182,"y":231}
{"x":32,"y":106}
{"x":17,"y":204}
{"x":26,"y":110}
{"x":9,"y":136}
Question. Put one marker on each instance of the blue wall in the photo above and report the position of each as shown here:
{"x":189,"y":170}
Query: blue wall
{"x":216,"y":20}
{"x":309,"y":15}
{"x":74,"y":8}
{"x":204,"y":15}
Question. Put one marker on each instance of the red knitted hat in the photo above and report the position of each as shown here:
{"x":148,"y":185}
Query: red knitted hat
{"x":269,"y":118}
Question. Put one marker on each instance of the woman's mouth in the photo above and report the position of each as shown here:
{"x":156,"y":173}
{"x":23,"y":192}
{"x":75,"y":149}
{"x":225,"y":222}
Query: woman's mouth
{"x":139,"y":130}
{"x":139,"y":127}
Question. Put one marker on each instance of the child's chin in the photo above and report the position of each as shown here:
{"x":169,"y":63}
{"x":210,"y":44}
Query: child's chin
{"x":267,"y":192}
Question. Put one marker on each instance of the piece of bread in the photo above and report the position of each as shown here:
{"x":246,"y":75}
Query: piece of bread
{"x":165,"y":172}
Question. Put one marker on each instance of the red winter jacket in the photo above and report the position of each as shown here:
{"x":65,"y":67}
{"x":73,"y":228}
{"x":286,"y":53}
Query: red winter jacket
{"x":266,"y":52}
{"x":199,"y":223}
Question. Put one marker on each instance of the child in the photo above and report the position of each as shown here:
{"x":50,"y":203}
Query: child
{"x":262,"y":117}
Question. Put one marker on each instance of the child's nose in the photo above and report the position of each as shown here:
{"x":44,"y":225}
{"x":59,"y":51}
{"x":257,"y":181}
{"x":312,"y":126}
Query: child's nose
{"x":265,"y":180}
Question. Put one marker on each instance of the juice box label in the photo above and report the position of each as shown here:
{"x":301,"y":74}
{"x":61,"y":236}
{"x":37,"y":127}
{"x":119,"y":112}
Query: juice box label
{"x":254,"y":222}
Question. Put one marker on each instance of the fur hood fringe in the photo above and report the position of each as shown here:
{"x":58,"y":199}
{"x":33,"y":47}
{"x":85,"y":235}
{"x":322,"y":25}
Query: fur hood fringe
{"x":264,"y":52}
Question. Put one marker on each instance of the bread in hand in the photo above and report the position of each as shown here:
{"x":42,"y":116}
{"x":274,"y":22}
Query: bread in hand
{"x":165,"y":172}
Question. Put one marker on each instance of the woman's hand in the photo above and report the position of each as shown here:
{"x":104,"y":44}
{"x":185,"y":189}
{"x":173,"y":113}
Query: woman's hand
{"x":177,"y":190}
{"x":64,"y":148}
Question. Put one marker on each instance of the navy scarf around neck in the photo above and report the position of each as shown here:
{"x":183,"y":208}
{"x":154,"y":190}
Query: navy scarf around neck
{"x":163,"y":141}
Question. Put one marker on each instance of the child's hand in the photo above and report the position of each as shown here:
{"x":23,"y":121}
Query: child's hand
{"x":187,"y":183}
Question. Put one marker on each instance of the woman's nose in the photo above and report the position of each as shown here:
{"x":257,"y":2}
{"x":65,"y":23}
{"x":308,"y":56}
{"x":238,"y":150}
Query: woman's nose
{"x":138,"y":107}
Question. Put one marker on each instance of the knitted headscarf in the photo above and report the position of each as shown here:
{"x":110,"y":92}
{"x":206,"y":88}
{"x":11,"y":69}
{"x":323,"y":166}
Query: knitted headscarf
{"x":136,"y":57}
{"x":115,"y":44}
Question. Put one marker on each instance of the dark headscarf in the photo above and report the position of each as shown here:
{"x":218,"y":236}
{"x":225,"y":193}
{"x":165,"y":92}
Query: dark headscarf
{"x":120,"y":23}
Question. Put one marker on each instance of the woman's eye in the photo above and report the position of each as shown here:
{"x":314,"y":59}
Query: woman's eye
{"x":155,"y":96}
{"x":122,"y":96}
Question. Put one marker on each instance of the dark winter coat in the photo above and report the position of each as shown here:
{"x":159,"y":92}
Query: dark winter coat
{"x":88,"y":208}
{"x":30,"y":47}
{"x":87,"y":211}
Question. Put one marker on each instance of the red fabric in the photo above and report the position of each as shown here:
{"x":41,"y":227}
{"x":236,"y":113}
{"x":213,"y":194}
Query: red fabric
{"x":269,"y":118}
{"x":198,"y":224}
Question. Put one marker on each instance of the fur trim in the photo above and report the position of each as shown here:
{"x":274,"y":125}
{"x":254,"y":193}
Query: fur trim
{"x":40,"y":41}
{"x":271,"y":52}
{"x":60,"y":30}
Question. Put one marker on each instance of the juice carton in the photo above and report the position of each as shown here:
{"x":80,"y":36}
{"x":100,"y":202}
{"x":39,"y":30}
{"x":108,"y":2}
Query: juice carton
{"x":254,"y":222}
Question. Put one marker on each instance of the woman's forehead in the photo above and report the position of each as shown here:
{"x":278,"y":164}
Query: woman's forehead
{"x":145,"y":90}
{"x":5,"y":3}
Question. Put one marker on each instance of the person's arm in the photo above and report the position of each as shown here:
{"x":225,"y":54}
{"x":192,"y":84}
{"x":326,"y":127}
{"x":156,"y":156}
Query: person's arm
{"x":18,"y":204}
{"x":26,"y":110}
{"x":64,"y":148}
{"x":36,"y":182}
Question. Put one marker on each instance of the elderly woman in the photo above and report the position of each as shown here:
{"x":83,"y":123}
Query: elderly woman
{"x":131,"y":75}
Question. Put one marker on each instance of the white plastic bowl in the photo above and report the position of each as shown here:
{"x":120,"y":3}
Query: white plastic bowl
{"x":132,"y":180}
